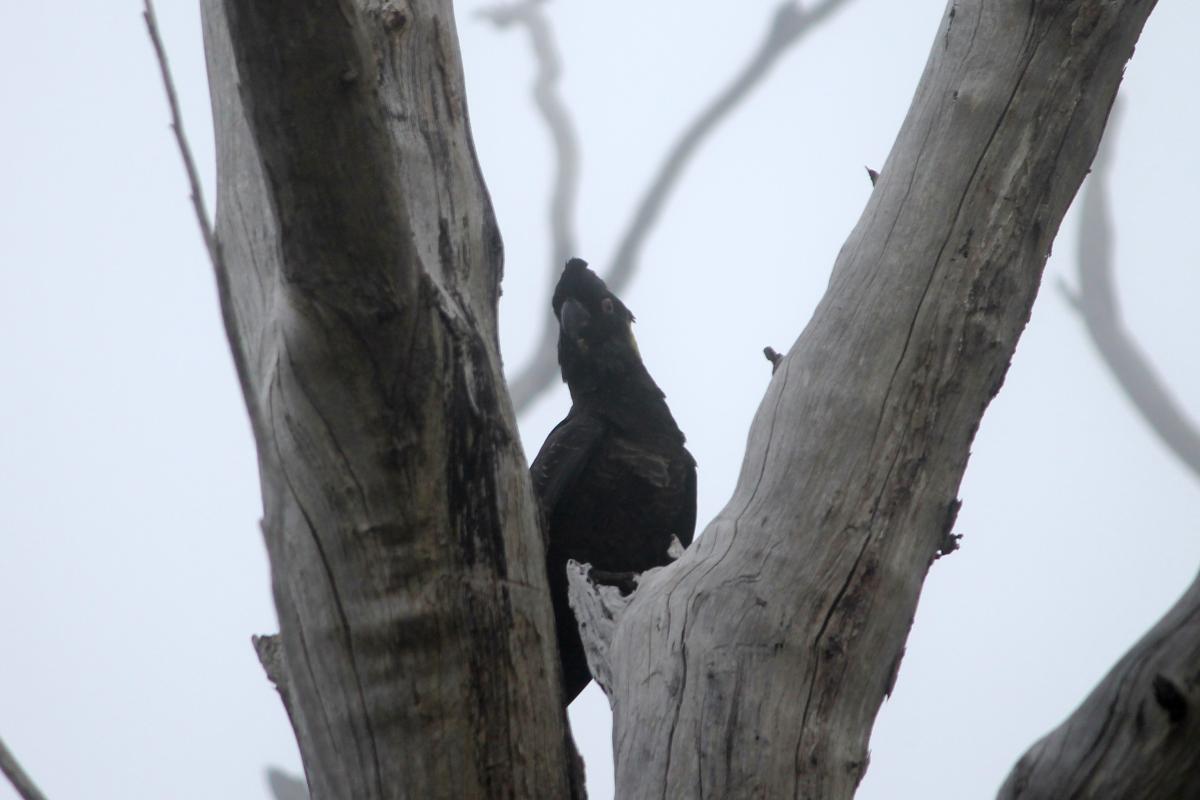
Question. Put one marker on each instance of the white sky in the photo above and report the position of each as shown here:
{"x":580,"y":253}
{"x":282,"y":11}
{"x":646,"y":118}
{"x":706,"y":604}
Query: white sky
{"x":131,"y":569}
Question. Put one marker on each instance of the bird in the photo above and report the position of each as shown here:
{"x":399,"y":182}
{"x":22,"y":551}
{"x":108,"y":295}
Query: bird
{"x":614,"y":481}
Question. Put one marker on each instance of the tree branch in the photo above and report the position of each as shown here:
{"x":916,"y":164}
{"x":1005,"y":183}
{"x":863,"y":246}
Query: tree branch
{"x":599,"y":599}
{"x":270,"y":655}
{"x":185,"y":150}
{"x":565,"y":190}
{"x":597,"y":609}
{"x":211,"y":243}
{"x":17,"y":776}
{"x":416,"y":634}
{"x":1135,"y":735}
{"x":787,"y":27}
{"x":756,"y":664}
{"x":1099,"y":309}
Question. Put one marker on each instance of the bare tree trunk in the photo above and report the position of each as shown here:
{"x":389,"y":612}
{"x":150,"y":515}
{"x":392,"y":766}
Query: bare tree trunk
{"x":755,"y":665}
{"x":360,"y":267}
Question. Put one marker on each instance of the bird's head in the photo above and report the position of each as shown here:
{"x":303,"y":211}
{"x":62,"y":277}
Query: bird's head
{"x":595,"y":338}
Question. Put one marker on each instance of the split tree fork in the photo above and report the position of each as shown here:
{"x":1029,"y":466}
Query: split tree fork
{"x":359,"y":263}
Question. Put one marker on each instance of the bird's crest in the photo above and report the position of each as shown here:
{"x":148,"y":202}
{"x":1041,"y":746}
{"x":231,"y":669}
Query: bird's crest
{"x":580,"y":283}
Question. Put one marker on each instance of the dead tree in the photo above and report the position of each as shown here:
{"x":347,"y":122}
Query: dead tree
{"x":360,"y":263}
{"x":755,"y":665}
{"x":360,"y":270}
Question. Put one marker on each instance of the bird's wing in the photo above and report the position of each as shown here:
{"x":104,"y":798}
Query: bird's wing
{"x":687,"y":510}
{"x":563,"y":456}
{"x":673,"y":473}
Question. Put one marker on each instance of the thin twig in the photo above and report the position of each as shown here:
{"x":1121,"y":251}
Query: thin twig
{"x":788,"y":26}
{"x":775,"y":357}
{"x":20,"y":780}
{"x":563,"y":196}
{"x":1096,"y":302}
{"x":189,"y":164}
{"x":558,"y":120}
{"x":211,"y":243}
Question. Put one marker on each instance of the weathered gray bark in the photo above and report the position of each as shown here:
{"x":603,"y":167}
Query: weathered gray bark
{"x":755,"y":665}
{"x":1135,"y":736}
{"x":360,"y":269}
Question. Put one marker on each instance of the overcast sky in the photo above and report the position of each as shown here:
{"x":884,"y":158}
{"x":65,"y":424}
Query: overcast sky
{"x":132,"y":573}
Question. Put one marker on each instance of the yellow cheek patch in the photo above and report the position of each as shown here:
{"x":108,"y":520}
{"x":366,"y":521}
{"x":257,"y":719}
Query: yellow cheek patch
{"x":633,"y":343}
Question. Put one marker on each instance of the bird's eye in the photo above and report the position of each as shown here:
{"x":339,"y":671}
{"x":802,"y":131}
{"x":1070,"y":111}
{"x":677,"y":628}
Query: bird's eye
{"x":606,"y":305}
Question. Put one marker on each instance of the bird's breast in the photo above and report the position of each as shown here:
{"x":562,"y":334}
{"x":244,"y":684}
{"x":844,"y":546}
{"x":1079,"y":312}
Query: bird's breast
{"x":623,"y":515}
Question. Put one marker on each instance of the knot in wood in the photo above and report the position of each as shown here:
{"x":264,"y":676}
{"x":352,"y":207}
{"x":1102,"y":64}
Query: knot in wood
{"x":394,"y":17}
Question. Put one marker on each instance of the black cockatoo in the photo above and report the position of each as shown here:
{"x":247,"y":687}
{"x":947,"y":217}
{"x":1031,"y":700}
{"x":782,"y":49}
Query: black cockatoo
{"x":614,"y":479}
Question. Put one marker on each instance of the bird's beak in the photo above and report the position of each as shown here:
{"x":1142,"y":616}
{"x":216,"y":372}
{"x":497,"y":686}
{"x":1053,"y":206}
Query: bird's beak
{"x":574,"y":318}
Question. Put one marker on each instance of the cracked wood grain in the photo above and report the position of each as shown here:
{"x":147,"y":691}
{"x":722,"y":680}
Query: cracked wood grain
{"x":363,"y":265}
{"x":597,"y":608}
{"x":755,"y":665}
